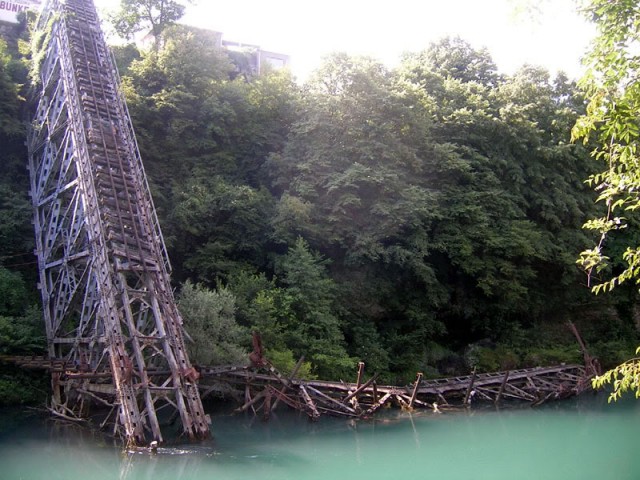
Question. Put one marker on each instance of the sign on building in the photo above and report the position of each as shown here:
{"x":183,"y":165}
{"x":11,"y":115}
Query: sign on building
{"x":9,"y":9}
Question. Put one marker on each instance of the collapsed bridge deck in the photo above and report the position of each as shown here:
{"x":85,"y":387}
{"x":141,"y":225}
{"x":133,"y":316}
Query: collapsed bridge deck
{"x":262,"y":389}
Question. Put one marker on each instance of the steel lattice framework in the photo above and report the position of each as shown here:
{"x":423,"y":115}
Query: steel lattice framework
{"x":104,"y":273}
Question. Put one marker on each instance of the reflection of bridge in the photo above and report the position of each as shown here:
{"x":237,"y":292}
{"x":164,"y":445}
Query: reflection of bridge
{"x":104,"y":274}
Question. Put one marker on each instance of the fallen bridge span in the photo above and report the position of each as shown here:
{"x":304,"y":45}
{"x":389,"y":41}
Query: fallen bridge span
{"x":262,"y":389}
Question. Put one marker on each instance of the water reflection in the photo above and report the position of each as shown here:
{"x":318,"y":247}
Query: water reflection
{"x":584,"y":439}
{"x":170,"y":463}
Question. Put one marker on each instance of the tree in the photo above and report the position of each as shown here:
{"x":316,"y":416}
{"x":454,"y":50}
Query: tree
{"x":443,"y":194}
{"x":512,"y":195}
{"x":611,"y":124}
{"x":10,"y":125}
{"x":205,"y":140}
{"x":209,"y":318}
{"x":134,"y":16}
{"x":315,"y":330}
{"x":359,"y":180}
{"x":172,"y":95}
{"x":266,"y":308}
{"x":16,"y":232}
{"x":455,"y":58}
{"x":21,"y":325}
{"x":351,"y":163}
{"x":219,"y":227}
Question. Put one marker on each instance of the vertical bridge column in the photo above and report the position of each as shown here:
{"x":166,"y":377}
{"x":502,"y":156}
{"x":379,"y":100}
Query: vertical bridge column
{"x":109,"y":309}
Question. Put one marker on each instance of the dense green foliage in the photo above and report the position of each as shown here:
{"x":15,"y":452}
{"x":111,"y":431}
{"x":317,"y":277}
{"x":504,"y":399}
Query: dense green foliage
{"x":422,"y":218}
{"x":21,"y":329}
{"x":210,"y":321}
{"x":427,"y":208}
{"x":21,"y":324}
{"x":611,"y":122}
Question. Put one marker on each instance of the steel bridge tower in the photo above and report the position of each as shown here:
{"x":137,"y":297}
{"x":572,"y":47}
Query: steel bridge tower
{"x":110,"y":314}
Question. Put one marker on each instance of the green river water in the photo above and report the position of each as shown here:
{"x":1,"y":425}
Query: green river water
{"x":581,"y":439}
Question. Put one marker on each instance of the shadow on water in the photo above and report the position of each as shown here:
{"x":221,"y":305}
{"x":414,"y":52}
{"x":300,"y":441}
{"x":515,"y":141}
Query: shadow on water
{"x":582,"y":438}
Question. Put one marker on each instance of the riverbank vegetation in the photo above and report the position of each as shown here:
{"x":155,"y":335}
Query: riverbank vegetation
{"x":422,"y":218}
{"x":610,"y":121}
{"x":21,"y":324}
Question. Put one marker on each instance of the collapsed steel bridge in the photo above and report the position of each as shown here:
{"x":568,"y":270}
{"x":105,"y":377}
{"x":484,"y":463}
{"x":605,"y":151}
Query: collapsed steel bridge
{"x":103,"y":268}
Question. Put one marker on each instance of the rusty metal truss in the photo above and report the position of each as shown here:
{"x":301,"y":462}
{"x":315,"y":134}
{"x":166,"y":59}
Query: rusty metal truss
{"x":109,"y":309}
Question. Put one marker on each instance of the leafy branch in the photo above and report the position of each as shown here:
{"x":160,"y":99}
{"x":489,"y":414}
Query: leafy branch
{"x":624,"y":378}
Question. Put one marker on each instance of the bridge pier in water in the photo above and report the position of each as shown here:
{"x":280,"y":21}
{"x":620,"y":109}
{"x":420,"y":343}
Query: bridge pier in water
{"x":109,"y":309}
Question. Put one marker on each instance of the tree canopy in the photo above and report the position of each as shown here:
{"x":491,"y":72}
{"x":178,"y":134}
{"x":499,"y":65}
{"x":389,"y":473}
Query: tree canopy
{"x":610,"y":124}
{"x":134,"y":16}
{"x":427,"y":207}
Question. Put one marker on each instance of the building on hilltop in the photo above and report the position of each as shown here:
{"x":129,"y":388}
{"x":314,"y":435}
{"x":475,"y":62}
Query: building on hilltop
{"x":256,"y":61}
{"x":250,"y":60}
{"x":211,"y":36}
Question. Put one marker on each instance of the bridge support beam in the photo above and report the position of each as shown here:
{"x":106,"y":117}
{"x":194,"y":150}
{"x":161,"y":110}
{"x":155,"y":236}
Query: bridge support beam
{"x":109,"y":310}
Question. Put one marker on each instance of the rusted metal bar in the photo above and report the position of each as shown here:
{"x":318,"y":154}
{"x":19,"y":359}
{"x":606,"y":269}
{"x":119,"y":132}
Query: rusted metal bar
{"x":314,"y":414}
{"x":360,"y":372}
{"x":332,"y":401}
{"x":484,"y":393}
{"x":360,"y":389}
{"x":524,"y":395}
{"x":293,"y":403}
{"x":467,"y":395}
{"x":415,"y":389}
{"x":379,"y":403}
{"x":407,"y":399}
{"x":266,"y":407}
{"x":250,"y":402}
{"x":502,"y":385}
{"x":294,"y":372}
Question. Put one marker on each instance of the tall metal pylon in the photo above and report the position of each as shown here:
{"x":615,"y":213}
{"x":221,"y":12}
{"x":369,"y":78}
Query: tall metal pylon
{"x":109,"y":310}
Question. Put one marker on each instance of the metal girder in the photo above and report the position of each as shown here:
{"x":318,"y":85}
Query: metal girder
{"x":104,"y":273}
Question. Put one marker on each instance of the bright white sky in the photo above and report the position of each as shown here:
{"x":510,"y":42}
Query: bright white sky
{"x":551,"y":33}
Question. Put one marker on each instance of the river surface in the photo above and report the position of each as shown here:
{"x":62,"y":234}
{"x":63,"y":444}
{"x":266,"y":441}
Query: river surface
{"x":580,"y":439}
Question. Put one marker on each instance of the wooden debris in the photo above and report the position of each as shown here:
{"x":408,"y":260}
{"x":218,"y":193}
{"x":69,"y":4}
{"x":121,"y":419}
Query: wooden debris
{"x":360,"y":400}
{"x":266,"y":408}
{"x":291,"y":377}
{"x":379,"y":403}
{"x":250,"y":402}
{"x":502,"y":385}
{"x":467,"y":396}
{"x":332,"y":401}
{"x":309,"y":402}
{"x":360,"y":372}
{"x":415,"y":390}
{"x":591,"y":363}
{"x":355,"y":393}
